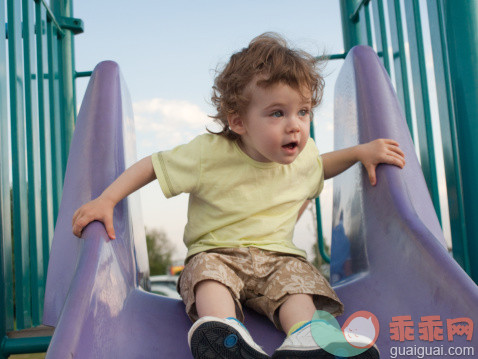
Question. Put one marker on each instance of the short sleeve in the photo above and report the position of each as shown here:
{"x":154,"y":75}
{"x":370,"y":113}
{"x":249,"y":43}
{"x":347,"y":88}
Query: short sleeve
{"x":317,"y":171}
{"x":178,"y":170}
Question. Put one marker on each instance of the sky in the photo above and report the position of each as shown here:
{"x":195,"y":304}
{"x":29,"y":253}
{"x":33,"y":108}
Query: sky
{"x":168,"y":53}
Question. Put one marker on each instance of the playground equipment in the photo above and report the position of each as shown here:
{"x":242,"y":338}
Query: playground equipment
{"x":400,"y":264}
{"x":92,"y":295}
{"x":37,"y":90}
{"x":453,"y":27}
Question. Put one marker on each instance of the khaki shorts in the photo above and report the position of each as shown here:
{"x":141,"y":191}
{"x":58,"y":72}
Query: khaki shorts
{"x":260,"y":279}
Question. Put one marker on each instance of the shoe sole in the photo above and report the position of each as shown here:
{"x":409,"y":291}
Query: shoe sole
{"x":372,"y":353}
{"x":218,"y":340}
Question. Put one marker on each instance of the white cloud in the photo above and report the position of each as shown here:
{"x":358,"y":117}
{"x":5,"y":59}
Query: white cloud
{"x":163,"y":124}
{"x":175,"y":111}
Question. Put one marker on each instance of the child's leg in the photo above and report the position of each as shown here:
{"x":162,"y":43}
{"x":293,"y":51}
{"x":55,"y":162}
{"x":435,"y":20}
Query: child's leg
{"x":297,"y":308}
{"x":216,"y":332}
{"x":214,"y":299}
{"x":295,"y":316}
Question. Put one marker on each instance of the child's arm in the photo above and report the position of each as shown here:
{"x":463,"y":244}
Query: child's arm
{"x":370,"y":154}
{"x":101,"y":208}
{"x":303,"y":208}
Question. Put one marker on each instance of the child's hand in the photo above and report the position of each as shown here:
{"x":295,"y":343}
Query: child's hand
{"x":373,"y":153}
{"x":100,"y":209}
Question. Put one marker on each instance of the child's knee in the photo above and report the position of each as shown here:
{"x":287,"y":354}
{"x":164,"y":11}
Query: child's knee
{"x":211,"y":286}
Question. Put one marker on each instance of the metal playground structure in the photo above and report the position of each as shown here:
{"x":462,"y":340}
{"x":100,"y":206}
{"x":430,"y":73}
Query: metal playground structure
{"x":44,"y":147}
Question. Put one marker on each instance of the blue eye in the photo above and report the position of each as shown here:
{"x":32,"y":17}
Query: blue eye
{"x":277,"y":114}
{"x":303,"y":113}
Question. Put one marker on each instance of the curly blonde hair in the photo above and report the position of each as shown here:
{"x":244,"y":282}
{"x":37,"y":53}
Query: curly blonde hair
{"x":269,"y":60}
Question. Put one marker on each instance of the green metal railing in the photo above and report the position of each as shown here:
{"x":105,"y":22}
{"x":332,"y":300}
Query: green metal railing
{"x":395,"y":29}
{"x":37,"y":115}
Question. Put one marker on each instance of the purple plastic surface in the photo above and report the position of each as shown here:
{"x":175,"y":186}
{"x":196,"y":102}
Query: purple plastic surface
{"x":398,"y":264}
{"x":92,"y":294}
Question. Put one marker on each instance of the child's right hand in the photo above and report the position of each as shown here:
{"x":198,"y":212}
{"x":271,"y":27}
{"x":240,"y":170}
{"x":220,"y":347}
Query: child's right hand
{"x":100,"y":209}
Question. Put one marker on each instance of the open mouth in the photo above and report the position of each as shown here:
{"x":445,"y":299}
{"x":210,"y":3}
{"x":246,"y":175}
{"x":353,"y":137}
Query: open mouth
{"x":290,"y":145}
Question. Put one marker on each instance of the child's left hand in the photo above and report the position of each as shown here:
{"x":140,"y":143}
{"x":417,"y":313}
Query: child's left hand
{"x":373,"y":153}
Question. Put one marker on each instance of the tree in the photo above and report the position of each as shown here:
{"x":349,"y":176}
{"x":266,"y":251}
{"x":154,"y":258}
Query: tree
{"x":160,"y":251}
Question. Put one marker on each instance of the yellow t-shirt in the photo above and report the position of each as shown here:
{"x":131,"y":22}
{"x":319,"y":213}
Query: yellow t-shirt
{"x":234,"y":200}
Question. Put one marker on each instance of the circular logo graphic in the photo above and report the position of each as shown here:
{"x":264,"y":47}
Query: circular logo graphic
{"x":361,"y":329}
{"x":360,"y":332}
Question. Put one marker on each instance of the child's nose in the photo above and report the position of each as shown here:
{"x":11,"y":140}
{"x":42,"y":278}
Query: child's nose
{"x":293,"y":124}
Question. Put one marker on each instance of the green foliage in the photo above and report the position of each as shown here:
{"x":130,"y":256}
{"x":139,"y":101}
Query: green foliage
{"x":160,"y":251}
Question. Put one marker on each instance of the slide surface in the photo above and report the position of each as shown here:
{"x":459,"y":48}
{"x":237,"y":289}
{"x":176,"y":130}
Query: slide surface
{"x":388,"y":251}
{"x":93,"y":295}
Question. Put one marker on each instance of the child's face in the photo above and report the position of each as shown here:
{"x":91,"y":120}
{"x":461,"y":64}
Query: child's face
{"x":276,"y":124}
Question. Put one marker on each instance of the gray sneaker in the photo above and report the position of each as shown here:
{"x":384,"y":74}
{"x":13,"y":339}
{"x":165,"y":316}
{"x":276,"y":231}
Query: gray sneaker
{"x":212,"y":337}
{"x":301,"y":344}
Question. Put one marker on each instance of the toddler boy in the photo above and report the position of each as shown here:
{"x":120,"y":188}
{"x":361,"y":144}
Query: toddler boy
{"x":247,"y":185}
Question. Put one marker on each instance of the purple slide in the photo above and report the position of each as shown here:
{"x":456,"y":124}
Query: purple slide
{"x":392,"y":262}
{"x":93,"y":293}
{"x":388,"y":251}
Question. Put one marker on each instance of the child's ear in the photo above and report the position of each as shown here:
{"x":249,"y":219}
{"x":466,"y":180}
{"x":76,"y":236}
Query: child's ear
{"x":236,"y":123}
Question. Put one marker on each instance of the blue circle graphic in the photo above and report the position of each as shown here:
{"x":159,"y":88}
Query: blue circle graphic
{"x":230,"y":340}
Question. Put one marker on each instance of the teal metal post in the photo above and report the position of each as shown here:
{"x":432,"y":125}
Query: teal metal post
{"x":11,"y":346}
{"x":365,"y":23}
{"x":55,"y":115}
{"x":351,"y":30}
{"x":320,"y":236}
{"x":20,"y":201}
{"x":451,"y":153}
{"x":399,"y":59}
{"x":33,"y":162}
{"x":461,"y":25}
{"x":64,"y":9}
{"x":45,"y":138}
{"x":6,"y":272}
{"x":368,"y":25}
{"x":422,"y":102}
{"x":381,"y":34}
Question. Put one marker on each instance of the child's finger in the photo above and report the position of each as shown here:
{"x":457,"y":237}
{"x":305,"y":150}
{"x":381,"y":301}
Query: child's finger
{"x":371,"y":175}
{"x":110,"y":229}
{"x":392,"y":142}
{"x":76,"y":230}
{"x":81,"y":223}
{"x":73,"y":227}
{"x":78,"y":227}
{"x":397,"y":150}
{"x":79,"y":212}
{"x":396,"y":159}
{"x":74,"y":216}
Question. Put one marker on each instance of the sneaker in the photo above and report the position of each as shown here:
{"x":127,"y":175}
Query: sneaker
{"x":212,"y":337}
{"x":301,"y":344}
